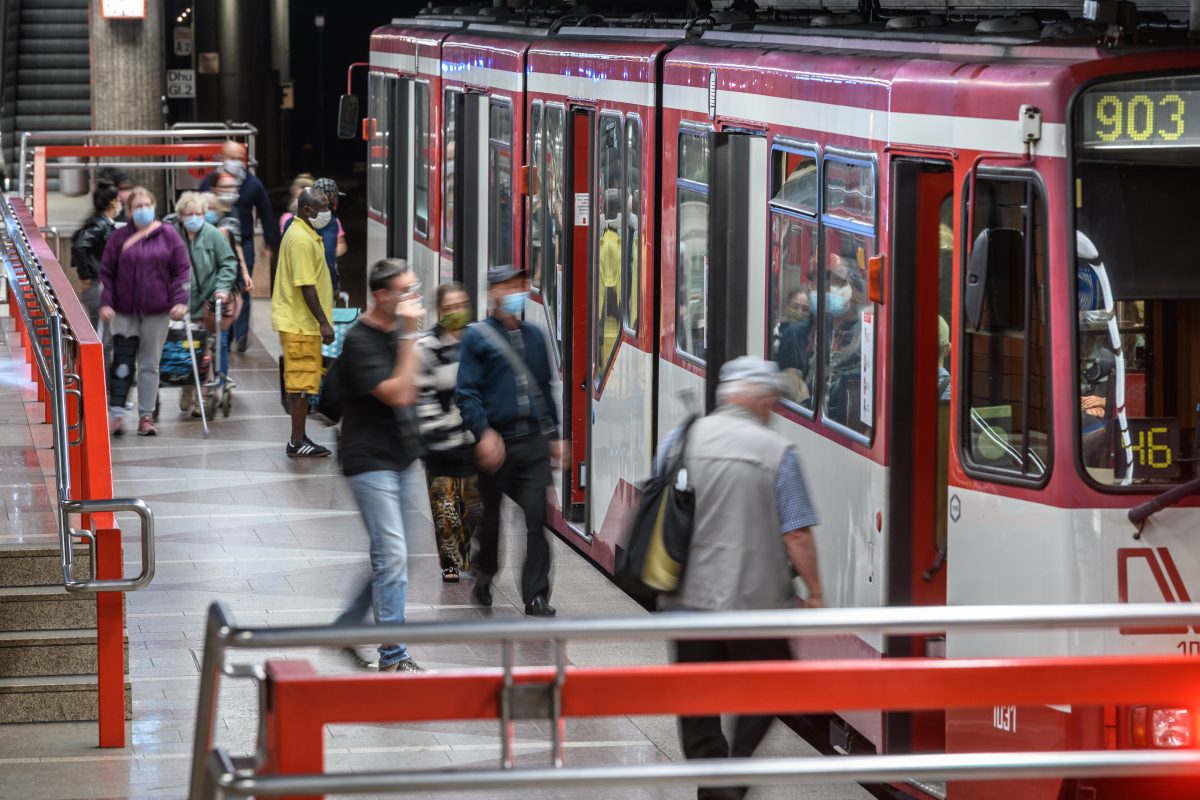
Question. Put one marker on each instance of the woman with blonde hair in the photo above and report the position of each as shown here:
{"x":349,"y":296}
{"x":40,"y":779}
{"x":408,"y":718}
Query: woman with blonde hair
{"x":144,"y":274}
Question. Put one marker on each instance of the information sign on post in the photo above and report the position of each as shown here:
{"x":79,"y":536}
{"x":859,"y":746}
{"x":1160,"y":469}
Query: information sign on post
{"x":183,"y":41}
{"x":181,"y":84}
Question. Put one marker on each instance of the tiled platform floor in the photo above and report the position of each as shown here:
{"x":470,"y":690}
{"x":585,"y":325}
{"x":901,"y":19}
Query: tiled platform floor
{"x":279,"y":542}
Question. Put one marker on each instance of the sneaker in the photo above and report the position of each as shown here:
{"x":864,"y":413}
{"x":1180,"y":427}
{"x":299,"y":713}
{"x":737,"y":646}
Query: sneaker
{"x":450,"y":575}
{"x":357,"y":660}
{"x":407,"y":665}
{"x":241,"y":343}
{"x":306,"y":449}
{"x":187,"y":396}
{"x":146,"y":426}
{"x":116,"y":423}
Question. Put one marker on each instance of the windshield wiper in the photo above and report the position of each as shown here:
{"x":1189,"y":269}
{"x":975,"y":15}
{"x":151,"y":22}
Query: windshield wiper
{"x":1139,"y":514}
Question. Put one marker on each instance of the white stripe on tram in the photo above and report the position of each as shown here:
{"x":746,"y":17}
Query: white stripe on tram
{"x":930,"y":130}
{"x":638,"y":93}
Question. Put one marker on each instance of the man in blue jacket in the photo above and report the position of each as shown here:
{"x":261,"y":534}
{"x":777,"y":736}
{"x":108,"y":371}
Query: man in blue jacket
{"x":504,"y":395}
{"x":251,"y":196}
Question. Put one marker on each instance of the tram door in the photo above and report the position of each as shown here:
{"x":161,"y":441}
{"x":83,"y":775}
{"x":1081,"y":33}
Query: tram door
{"x":919,"y":414}
{"x":576,"y":317}
{"x":464,"y":255}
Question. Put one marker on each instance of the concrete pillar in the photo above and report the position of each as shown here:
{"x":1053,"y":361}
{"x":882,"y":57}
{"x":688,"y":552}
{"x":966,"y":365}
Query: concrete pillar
{"x":128,"y":79}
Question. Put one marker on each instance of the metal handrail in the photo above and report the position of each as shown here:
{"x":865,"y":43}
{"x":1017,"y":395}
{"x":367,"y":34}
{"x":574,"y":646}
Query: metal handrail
{"x":53,"y":373}
{"x":246,"y":130}
{"x":213,"y":770}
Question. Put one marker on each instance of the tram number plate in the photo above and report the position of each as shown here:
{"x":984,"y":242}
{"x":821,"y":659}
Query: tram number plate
{"x":1143,"y":114}
{"x":1154,"y":448}
{"x":1004,"y":718}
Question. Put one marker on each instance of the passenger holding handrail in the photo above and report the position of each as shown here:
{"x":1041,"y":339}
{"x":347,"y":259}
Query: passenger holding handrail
{"x":214,"y":270}
{"x":752,"y":534}
{"x":144,"y":275}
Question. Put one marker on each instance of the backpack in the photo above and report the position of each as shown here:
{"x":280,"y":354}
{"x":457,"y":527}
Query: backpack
{"x":655,"y":551}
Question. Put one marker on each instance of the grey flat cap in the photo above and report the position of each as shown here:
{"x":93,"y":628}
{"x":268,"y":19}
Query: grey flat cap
{"x":328,"y":186}
{"x":753,"y":369}
{"x":503,"y":272}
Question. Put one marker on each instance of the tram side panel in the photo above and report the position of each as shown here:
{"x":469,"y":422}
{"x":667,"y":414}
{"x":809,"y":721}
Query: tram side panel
{"x":846,"y":476}
{"x":612,"y":86}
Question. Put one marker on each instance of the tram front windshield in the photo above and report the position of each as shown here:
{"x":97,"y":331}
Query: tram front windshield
{"x":1137,"y":274}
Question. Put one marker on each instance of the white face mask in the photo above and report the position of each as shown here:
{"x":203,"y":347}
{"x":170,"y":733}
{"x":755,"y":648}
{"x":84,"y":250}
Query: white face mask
{"x":322,"y":219}
{"x":234,"y":167}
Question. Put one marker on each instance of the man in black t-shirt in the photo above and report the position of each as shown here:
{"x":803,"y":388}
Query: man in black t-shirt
{"x":381,"y":445}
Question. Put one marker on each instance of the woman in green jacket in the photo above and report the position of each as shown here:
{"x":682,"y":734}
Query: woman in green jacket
{"x":214,"y":270}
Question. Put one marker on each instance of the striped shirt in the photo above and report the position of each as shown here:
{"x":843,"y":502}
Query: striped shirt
{"x":442,"y":427}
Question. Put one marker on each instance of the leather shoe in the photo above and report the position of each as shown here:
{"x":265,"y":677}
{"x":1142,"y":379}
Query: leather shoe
{"x":482,"y":592}
{"x":538,"y":607}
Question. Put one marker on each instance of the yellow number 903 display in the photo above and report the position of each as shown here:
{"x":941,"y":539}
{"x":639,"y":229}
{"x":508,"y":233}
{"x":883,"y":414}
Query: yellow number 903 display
{"x":1132,"y":118}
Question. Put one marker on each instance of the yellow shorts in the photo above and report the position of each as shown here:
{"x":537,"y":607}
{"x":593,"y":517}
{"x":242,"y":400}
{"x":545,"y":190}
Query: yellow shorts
{"x":301,"y":363}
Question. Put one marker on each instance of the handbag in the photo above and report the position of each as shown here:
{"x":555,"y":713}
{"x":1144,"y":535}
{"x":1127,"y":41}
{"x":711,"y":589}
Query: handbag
{"x":655,"y":552}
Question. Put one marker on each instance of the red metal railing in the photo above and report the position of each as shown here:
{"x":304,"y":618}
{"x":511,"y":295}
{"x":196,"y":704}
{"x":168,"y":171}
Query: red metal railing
{"x":297,"y":703}
{"x":66,"y":360}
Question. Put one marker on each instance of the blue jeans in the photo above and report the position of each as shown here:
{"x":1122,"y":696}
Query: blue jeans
{"x":390,"y":503}
{"x":223,"y":358}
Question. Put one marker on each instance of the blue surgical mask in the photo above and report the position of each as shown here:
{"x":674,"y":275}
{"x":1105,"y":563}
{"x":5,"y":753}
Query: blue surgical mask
{"x":837,"y":302}
{"x":513,"y":303}
{"x":143,"y":216}
{"x":211,"y":217}
{"x":193,"y":223}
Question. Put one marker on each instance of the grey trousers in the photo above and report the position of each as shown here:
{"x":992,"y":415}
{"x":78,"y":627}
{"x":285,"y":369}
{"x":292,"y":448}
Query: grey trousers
{"x":152,"y":332}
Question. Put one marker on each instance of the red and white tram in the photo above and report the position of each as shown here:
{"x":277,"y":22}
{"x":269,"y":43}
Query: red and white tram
{"x":967,"y":244}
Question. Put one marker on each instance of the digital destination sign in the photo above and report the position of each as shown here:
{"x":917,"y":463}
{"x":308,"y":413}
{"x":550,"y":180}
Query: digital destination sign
{"x":1130,"y":115}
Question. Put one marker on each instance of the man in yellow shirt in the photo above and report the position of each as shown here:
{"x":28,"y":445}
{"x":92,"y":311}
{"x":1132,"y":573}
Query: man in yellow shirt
{"x":301,"y":307}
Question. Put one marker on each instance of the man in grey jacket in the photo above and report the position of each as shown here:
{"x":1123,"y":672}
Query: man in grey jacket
{"x":752,"y":534}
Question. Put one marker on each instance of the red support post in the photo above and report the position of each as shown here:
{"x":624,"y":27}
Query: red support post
{"x":295,"y":743}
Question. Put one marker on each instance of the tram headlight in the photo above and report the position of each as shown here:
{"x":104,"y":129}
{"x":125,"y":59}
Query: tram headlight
{"x":1170,"y":727}
{"x":1167,"y":728}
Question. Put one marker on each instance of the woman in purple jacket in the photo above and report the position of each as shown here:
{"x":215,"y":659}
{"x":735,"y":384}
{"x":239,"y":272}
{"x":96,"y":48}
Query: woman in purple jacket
{"x":145,"y":272}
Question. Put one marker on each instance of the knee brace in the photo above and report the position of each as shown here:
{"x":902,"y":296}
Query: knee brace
{"x":124,"y":362}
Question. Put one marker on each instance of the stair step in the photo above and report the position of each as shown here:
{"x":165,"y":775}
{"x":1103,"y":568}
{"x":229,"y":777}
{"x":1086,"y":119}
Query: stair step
{"x":40,"y":61}
{"x":37,"y":30}
{"x":38,"y":122}
{"x":64,"y":698}
{"x":45,"y":608}
{"x":26,"y":654}
{"x":35,"y":565}
{"x":41,"y":76}
{"x":54,"y":91}
{"x":53,"y":107}
{"x":55,"y":16}
{"x":56,"y":4}
{"x":31,"y":46}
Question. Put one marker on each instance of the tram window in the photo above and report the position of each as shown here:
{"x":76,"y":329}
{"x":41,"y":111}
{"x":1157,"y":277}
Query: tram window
{"x":633,"y":220}
{"x":849,"y":327}
{"x":536,"y":145}
{"x":377,"y":154}
{"x":500,"y":198}
{"x":609,"y":252}
{"x":691,"y":277}
{"x":1137,"y":295}
{"x":423,"y":157}
{"x":552,"y":184}
{"x":794,"y":180}
{"x":449,"y":144}
{"x":850,"y":191}
{"x":794,"y":281}
{"x":1006,"y":365}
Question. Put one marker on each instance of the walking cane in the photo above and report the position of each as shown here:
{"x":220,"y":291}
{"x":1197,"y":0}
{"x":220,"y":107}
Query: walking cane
{"x":187,"y":329}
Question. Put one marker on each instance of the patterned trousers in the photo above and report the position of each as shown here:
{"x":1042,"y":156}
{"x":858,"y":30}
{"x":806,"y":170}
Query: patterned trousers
{"x":456,"y":511}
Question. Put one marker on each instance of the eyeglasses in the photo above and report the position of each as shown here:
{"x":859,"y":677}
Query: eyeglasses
{"x":413,"y":290}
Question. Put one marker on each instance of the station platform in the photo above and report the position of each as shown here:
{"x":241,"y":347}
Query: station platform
{"x":280,"y":542}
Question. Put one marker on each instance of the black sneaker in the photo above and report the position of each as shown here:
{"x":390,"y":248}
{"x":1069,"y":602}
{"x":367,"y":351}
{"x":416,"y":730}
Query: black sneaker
{"x":407,"y":665}
{"x":306,"y":449}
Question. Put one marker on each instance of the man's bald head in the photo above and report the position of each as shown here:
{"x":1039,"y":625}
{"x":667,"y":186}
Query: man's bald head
{"x":312,"y":201}
{"x":234,"y":150}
